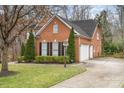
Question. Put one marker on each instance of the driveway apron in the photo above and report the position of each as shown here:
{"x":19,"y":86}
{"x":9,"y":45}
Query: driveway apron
{"x":101,"y":73}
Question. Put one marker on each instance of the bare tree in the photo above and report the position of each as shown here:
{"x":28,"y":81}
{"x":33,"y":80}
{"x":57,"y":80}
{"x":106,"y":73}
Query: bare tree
{"x":15,"y":20}
{"x":73,"y":12}
{"x":81,"y":12}
{"x":120,"y":9}
{"x":60,"y":10}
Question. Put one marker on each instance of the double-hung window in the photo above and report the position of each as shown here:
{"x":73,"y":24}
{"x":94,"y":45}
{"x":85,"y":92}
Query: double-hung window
{"x":55,"y":49}
{"x":55,"y":28}
{"x":44,"y":49}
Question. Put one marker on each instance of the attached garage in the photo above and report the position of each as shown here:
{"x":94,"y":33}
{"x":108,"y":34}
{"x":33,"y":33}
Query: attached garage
{"x":84,"y":52}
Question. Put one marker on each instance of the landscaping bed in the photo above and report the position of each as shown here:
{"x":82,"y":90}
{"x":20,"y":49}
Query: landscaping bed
{"x":46,"y":60}
{"x":38,"y":75}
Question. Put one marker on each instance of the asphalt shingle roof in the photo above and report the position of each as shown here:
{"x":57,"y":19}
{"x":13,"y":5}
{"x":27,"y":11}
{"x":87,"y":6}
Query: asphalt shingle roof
{"x":84,"y":27}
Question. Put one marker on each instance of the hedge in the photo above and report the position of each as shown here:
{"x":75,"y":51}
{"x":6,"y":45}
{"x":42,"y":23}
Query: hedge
{"x":51,"y":59}
{"x":20,"y":59}
{"x":118,"y":55}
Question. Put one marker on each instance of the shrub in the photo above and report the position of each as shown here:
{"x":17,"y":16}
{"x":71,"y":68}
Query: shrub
{"x":71,"y":46}
{"x":30,"y":48}
{"x":51,"y":59}
{"x":110,"y":49}
{"x":22,"y":49}
{"x":113,"y":48}
{"x":118,"y":55}
{"x":20,"y":59}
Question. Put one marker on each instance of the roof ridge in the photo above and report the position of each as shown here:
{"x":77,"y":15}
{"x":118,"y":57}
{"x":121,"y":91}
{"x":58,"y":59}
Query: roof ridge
{"x":86,"y":27}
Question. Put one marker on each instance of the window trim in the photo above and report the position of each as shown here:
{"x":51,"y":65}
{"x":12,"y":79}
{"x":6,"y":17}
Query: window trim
{"x":55,"y":27}
{"x":55,"y":49}
{"x":44,"y":49}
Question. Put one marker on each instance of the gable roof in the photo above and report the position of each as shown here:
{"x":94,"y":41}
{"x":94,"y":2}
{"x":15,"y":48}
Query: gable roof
{"x":85,"y":28}
{"x":49,"y":21}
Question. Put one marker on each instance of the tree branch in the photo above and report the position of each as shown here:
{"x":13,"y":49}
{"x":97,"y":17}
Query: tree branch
{"x":19,"y":32}
{"x":13,"y":15}
{"x":16,"y":19}
{"x":26,"y":13}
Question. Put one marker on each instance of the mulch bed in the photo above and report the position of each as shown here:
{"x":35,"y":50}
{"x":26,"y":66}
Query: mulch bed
{"x":9,"y":73}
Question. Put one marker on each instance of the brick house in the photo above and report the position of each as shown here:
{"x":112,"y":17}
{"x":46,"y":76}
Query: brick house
{"x":50,"y":38}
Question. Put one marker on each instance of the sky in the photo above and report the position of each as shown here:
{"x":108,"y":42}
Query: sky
{"x":98,"y":8}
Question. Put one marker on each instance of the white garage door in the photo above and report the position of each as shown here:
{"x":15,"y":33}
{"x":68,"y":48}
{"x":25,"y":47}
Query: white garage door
{"x":84,"y":52}
{"x":91,"y":51}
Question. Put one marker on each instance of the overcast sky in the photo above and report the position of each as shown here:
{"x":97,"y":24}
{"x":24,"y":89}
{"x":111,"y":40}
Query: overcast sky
{"x":98,"y":8}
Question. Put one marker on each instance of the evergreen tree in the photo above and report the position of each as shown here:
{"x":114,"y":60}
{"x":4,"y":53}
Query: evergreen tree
{"x":22,"y":49}
{"x":71,"y":46}
{"x":106,"y":31}
{"x":30,"y":48}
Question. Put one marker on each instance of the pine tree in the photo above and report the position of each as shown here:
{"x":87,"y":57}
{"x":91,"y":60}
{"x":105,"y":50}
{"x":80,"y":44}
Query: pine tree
{"x":22,"y":49}
{"x":30,"y":48}
{"x":106,"y":34}
{"x":71,"y":46}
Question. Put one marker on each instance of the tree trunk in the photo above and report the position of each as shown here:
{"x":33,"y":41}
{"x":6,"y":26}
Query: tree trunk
{"x":4,"y":62}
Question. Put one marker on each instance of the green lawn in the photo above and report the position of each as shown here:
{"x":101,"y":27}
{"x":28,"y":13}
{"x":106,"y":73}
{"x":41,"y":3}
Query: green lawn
{"x":38,"y":75}
{"x":123,"y":86}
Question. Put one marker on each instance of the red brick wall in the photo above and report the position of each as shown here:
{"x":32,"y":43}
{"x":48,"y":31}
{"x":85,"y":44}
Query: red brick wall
{"x":97,"y":43}
{"x":78,"y":42}
{"x":63,"y":34}
{"x":48,"y":35}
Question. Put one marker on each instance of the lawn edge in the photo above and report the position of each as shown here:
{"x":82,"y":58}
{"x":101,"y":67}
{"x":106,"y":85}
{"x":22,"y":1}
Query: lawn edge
{"x":67,"y":78}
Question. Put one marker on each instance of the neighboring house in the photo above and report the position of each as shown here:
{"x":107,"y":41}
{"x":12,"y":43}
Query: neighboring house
{"x":50,"y":38}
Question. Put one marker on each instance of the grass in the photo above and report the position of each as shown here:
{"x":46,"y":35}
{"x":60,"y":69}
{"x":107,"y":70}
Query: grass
{"x":38,"y":75}
{"x":123,"y":86}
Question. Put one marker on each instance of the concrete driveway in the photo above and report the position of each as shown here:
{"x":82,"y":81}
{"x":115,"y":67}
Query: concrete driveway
{"x":101,"y":73}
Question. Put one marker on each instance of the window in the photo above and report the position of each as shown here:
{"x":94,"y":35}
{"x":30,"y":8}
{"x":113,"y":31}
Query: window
{"x":97,"y":36}
{"x":60,"y":49}
{"x":55,"y":49}
{"x":44,"y":49}
{"x":55,"y":28}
